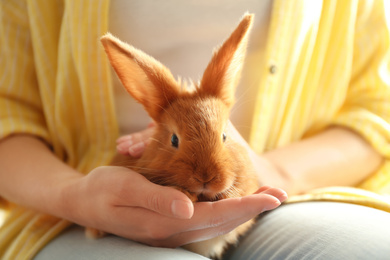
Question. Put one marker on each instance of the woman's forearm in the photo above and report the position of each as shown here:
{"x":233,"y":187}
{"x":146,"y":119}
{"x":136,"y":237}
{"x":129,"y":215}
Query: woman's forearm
{"x":337,"y":156}
{"x":31,"y":175}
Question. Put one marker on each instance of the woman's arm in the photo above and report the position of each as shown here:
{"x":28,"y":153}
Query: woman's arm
{"x":336,"y":156}
{"x":31,"y":175}
{"x":118,"y":200}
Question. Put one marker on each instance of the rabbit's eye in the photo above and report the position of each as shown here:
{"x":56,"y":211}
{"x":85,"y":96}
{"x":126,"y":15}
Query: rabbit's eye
{"x":175,"y":141}
{"x":224,"y":137}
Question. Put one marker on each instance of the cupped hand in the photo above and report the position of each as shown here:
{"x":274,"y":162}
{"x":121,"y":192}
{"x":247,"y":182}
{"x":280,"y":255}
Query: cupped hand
{"x":122,"y":202}
{"x":212,"y":219}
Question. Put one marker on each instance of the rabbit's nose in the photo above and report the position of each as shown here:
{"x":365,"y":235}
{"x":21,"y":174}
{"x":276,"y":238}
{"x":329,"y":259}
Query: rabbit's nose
{"x":205,"y":180}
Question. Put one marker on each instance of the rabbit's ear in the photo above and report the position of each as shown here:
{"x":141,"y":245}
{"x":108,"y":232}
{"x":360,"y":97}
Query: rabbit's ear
{"x":146,"y":79}
{"x":223,"y":72}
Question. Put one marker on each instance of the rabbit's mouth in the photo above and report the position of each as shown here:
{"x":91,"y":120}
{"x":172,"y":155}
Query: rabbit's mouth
{"x":230,"y":192}
{"x":202,"y":197}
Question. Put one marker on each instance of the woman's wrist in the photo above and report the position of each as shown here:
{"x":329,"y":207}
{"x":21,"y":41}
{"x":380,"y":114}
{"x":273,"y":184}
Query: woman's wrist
{"x":269,"y":173}
{"x":66,"y":203}
{"x":335,"y":157}
{"x":38,"y":177}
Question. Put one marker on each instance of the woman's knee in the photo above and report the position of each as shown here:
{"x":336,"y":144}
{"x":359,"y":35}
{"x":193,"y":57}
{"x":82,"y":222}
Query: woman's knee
{"x":318,"y":230}
{"x":73,"y":244}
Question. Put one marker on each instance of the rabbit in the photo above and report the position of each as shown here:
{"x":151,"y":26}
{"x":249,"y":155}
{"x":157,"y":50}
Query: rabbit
{"x":191,"y":149}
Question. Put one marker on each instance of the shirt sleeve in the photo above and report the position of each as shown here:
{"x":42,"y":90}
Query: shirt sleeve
{"x":367,"y":106}
{"x":21,"y":109}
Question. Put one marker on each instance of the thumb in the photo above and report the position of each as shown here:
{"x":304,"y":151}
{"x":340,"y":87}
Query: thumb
{"x":164,"y":200}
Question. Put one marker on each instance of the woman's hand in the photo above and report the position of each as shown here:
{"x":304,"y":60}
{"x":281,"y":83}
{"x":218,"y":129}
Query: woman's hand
{"x":267,"y":172}
{"x":134,"y":144}
{"x":122,"y":202}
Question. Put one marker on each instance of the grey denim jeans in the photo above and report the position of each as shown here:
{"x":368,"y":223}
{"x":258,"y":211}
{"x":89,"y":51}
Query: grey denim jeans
{"x":310,"y":230}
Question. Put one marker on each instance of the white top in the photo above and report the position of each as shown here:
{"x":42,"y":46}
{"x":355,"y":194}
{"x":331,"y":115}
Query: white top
{"x":182,"y":36}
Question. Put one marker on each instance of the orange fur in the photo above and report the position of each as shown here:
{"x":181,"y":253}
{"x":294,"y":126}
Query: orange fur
{"x":146,"y":79}
{"x":223,"y":72}
{"x":204,"y":165}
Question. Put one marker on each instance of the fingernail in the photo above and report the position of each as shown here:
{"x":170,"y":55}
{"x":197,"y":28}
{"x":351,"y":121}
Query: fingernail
{"x":283,"y":196}
{"x":182,"y":209}
{"x":137,"y":148}
{"x":124,"y":145}
{"x":124,"y":138}
{"x":276,"y":203}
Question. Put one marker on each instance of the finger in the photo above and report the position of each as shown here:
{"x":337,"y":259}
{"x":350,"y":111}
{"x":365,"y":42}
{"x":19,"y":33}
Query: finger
{"x":134,"y":144}
{"x":140,"y":192}
{"x":213,"y":214}
{"x":263,"y":188}
{"x":123,"y":144}
{"x":136,"y":150}
{"x":206,"y":222}
{"x":138,"y":136}
{"x":280,"y":194}
{"x":123,"y":138}
{"x":230,"y":209}
{"x":218,"y":226}
{"x":152,"y":124}
{"x":126,"y":138}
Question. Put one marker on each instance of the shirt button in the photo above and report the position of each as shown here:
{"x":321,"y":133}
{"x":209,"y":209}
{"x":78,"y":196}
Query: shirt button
{"x":272,"y":69}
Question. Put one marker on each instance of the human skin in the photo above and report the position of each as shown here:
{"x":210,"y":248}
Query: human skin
{"x":118,"y":200}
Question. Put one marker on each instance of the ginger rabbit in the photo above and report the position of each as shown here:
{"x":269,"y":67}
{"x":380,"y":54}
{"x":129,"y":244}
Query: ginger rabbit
{"x":191,"y":149}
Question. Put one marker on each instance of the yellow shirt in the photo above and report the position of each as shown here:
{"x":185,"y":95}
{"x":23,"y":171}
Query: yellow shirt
{"x":327,"y":63}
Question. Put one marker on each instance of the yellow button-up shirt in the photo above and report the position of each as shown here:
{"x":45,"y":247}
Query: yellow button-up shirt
{"x":327,"y":63}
